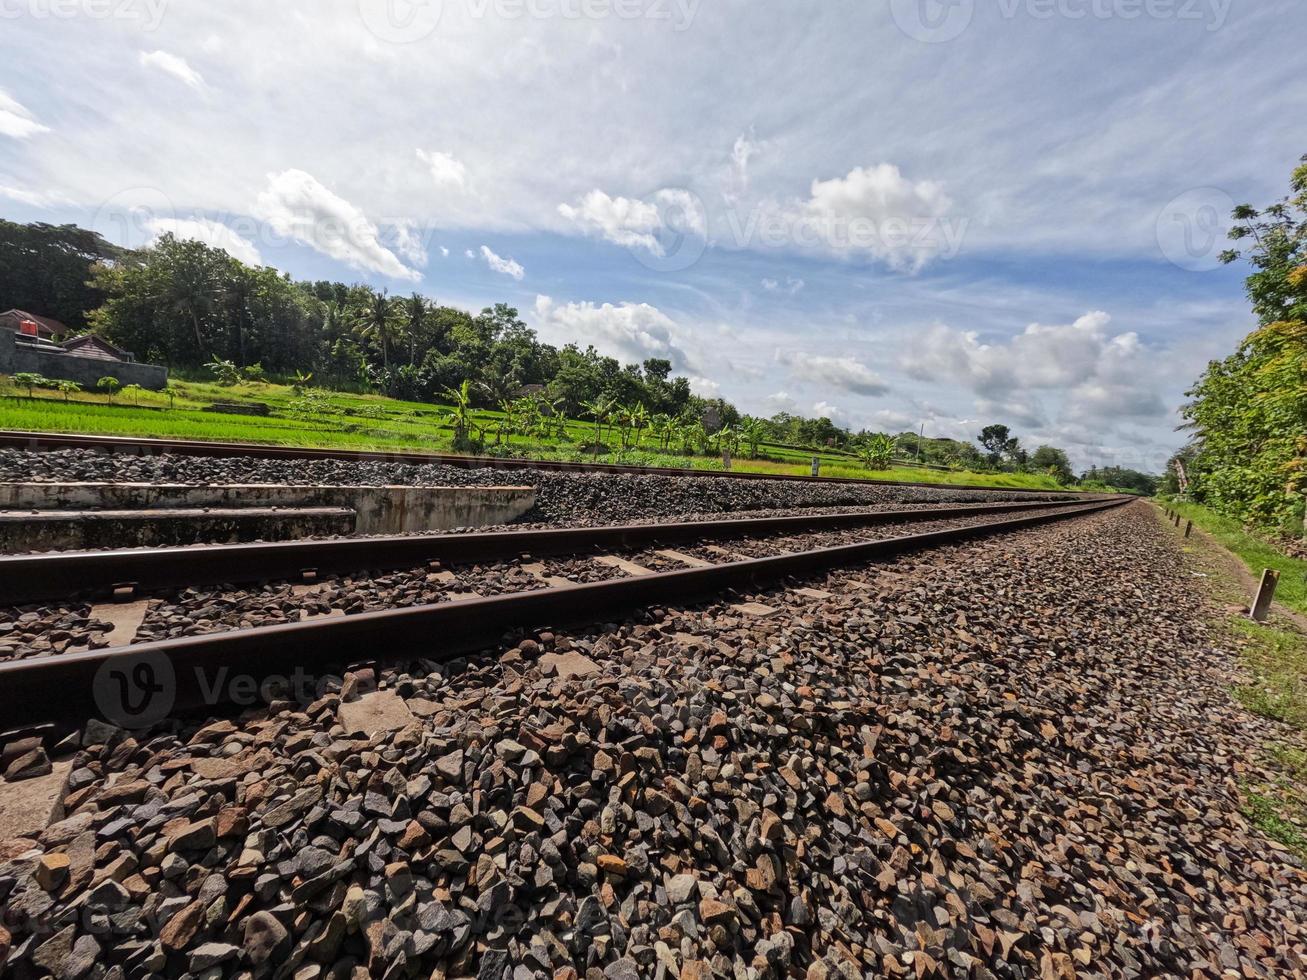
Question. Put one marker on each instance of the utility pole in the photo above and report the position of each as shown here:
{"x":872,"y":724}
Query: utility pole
{"x":920,"y":436}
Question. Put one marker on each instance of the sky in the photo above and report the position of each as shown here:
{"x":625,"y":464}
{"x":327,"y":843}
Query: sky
{"x":894,"y":213}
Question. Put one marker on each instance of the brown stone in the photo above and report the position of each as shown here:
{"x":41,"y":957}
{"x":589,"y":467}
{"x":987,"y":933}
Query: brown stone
{"x":51,"y":871}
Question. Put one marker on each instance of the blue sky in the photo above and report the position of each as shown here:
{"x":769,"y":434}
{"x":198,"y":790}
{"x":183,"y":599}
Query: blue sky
{"x":893,"y":212}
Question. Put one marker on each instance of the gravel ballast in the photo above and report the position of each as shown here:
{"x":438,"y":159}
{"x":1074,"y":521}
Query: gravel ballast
{"x":562,"y":498}
{"x":1010,"y":758}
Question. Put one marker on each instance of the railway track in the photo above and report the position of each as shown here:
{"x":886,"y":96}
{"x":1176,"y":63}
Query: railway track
{"x":49,"y":441}
{"x":124,"y":572}
{"x":191,"y":672}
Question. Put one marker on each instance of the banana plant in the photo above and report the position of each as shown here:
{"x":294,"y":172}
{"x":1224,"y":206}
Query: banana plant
{"x":753,"y":432}
{"x":877,"y":453}
{"x":601,"y":410}
{"x":460,"y":416}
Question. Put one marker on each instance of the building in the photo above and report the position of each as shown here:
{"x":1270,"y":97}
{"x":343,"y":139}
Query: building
{"x":28,"y":344}
{"x":22,"y":322}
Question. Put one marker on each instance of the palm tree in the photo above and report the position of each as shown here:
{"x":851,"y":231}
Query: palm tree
{"x":416,"y":308}
{"x":381,"y":322}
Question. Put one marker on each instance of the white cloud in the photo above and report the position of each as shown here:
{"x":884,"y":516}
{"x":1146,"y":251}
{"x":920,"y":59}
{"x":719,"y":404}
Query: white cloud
{"x":444,"y":252}
{"x":506,"y":266}
{"x":173,"y":65}
{"x":408,"y":243}
{"x":877,"y":212}
{"x":704,"y":387}
{"x":792,"y":286}
{"x":634,"y":223}
{"x":624,"y":221}
{"x":468,"y":253}
{"x":845,"y":373}
{"x":32,"y":198}
{"x":781,"y":401}
{"x":1101,"y":373}
{"x":15,"y":120}
{"x":211,"y":233}
{"x":630,"y":332}
{"x":825,"y":410}
{"x":446,"y":171}
{"x":296,"y":204}
{"x":741,"y":152}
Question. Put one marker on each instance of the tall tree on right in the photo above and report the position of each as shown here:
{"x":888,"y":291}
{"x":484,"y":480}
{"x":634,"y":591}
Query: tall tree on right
{"x":1248,"y":412}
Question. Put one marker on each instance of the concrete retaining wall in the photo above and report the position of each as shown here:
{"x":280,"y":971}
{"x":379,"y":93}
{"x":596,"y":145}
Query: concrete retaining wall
{"x":70,"y":529}
{"x":379,"y":510}
{"x":16,"y":358}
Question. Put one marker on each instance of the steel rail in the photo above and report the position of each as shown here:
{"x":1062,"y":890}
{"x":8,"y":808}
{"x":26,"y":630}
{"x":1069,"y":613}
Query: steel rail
{"x":193,"y":671}
{"x":65,"y":574}
{"x":36,"y":441}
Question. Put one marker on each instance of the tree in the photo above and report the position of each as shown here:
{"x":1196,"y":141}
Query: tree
{"x":30,"y":380}
{"x":47,"y":270}
{"x":1054,"y":462}
{"x":67,"y":388}
{"x":999,"y":443}
{"x":380,"y":321}
{"x":135,"y":392}
{"x":1248,"y":413}
{"x":109,"y":385}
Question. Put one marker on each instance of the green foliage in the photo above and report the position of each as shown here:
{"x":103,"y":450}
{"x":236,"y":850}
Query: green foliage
{"x":30,"y":380}
{"x":67,"y":388}
{"x":109,"y":385}
{"x":226,"y":372}
{"x":1120,"y":478}
{"x":45,"y":269}
{"x":1248,"y":413}
{"x":878,"y":451}
{"x":1054,"y":462}
{"x":253,"y":372}
{"x":134,"y":390}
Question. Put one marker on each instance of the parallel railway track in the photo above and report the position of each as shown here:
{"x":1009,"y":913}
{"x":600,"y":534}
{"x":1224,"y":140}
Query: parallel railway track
{"x":63,"y":689}
{"x":47,"y":441}
{"x":61,"y":575}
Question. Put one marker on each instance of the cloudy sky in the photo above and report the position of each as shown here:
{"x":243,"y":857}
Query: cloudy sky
{"x":891,"y":212}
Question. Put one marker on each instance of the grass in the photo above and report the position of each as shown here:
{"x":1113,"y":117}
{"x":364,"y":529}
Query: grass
{"x":1275,"y":657}
{"x":340,"y":420}
{"x":1255,"y":552}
